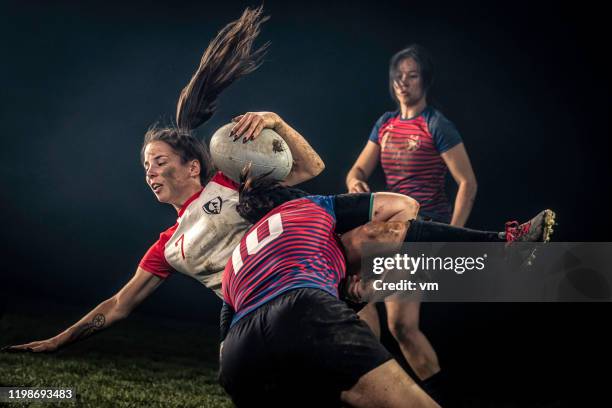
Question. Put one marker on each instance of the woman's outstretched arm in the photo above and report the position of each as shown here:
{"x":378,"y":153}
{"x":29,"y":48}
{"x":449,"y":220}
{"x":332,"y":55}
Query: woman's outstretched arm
{"x":102,"y":316}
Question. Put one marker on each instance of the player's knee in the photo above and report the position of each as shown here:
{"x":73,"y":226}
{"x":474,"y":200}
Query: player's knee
{"x":412,"y":206}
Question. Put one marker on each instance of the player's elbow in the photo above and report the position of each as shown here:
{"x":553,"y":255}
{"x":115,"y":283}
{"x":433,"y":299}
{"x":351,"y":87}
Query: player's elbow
{"x":410,"y":207}
{"x":316,"y":167}
{"x":307,"y":171}
{"x":471,"y":187}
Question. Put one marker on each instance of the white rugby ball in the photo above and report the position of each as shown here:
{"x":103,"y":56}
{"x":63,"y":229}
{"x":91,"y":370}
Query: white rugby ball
{"x":268,"y":152}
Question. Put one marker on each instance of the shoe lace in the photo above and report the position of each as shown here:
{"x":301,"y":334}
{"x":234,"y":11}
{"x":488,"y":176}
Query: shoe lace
{"x":514,"y":231}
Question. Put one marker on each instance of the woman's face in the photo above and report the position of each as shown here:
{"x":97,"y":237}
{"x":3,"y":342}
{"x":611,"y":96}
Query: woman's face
{"x":172,"y":182}
{"x":408,"y":83}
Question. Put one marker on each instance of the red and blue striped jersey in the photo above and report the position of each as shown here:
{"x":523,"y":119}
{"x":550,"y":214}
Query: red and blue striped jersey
{"x":293,"y":246}
{"x":410,"y":157}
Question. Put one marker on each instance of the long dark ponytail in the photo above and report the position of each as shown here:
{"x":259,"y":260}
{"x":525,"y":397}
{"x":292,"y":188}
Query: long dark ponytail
{"x":228,"y":57}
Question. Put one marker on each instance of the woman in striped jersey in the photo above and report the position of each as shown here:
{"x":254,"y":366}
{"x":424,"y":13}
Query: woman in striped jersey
{"x":416,"y":146}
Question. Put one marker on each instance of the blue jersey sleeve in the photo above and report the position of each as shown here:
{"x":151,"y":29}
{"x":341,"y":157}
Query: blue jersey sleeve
{"x":348,"y":210}
{"x":443,"y":131}
{"x":327,"y":202}
{"x":352,"y":210}
{"x":379,"y":123}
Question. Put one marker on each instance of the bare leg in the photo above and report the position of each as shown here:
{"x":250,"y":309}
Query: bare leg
{"x":403,"y":320}
{"x":402,"y":316}
{"x":369,"y":315}
{"x":387,"y":386}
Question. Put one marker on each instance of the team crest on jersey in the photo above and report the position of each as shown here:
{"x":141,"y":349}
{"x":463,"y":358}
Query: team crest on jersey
{"x":213,"y":206}
{"x":413,"y":143}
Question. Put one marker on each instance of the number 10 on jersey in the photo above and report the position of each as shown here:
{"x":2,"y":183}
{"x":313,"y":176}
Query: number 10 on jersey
{"x":252,"y":242}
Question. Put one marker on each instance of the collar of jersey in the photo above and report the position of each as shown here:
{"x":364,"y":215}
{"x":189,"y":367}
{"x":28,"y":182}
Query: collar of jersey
{"x":399,"y":114}
{"x":189,"y":201}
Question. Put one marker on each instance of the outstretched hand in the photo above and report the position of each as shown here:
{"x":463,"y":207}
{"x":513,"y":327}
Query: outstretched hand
{"x":358,"y":186}
{"x":249,"y":126}
{"x":42,"y":346}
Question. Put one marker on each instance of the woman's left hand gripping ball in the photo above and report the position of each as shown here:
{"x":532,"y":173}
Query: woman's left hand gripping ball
{"x":250,"y":125}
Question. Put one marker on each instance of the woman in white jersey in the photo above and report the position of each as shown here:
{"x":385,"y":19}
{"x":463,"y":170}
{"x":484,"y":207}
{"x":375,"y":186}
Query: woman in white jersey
{"x":179,"y":171}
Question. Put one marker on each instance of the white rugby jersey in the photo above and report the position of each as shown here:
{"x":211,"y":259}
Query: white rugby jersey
{"x":206,"y":232}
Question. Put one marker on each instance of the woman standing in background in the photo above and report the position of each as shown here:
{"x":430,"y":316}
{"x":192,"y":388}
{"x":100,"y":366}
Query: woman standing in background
{"x":416,"y":146}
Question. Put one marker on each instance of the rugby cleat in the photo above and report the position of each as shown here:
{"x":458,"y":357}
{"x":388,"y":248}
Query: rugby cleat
{"x":538,"y":229}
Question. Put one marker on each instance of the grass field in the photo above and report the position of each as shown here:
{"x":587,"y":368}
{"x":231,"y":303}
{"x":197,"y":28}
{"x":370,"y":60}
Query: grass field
{"x":140,"y":362}
{"x":151,"y":362}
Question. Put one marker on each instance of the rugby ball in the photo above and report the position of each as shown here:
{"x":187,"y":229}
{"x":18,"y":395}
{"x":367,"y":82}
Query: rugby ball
{"x":267,"y":153}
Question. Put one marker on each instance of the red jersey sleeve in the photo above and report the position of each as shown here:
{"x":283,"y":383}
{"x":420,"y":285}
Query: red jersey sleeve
{"x":154,"y":261}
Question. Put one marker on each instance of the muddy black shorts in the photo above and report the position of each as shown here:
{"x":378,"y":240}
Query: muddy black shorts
{"x":302,"y":348}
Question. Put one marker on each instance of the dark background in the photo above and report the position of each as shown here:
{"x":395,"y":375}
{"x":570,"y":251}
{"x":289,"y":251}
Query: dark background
{"x":527,"y":87}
